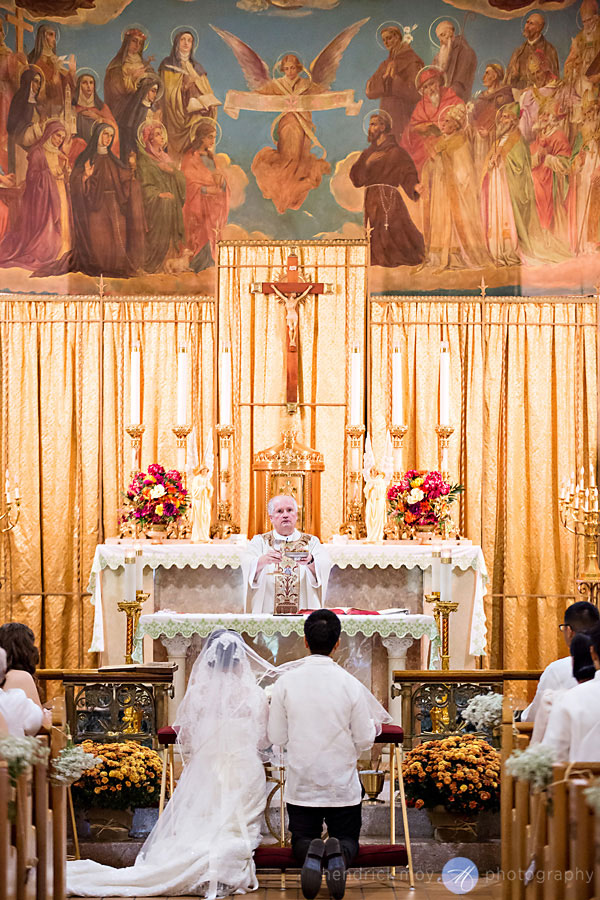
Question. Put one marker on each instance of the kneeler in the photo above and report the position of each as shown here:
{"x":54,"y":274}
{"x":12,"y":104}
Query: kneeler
{"x":393,"y":736}
{"x":167,"y":738}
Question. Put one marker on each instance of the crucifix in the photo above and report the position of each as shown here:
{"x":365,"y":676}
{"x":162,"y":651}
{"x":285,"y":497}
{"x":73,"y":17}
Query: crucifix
{"x":21,"y":26}
{"x":291,"y":291}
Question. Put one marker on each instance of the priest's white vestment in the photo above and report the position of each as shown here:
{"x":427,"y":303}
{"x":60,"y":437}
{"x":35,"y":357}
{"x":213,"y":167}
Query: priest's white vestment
{"x":260,"y":593}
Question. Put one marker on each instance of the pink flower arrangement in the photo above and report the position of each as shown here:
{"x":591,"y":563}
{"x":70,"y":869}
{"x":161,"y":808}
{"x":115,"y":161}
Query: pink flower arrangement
{"x":422,"y":498}
{"x":155,"y":497}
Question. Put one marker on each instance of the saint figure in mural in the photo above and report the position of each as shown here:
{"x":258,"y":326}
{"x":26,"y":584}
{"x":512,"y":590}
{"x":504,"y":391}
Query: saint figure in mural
{"x":544,"y":86}
{"x":206,"y":198}
{"x":11,"y":66}
{"x":550,"y":168}
{"x":517,"y":73}
{"x":44,"y":232}
{"x":58,"y":77}
{"x":125,"y":71}
{"x":582,"y":66}
{"x":25,"y":122}
{"x":287,"y":173}
{"x":486,"y":104}
{"x":381,"y":168}
{"x":108,"y":217}
{"x":451,"y":219}
{"x":584,"y":184}
{"x":163,"y":193}
{"x":187,"y":93}
{"x":393,"y":84}
{"x":142,"y":108}
{"x":89,"y":109}
{"x":456,"y":58}
{"x":509,"y":213}
{"x":423,"y":130}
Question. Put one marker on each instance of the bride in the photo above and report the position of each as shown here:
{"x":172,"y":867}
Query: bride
{"x":204,"y":841}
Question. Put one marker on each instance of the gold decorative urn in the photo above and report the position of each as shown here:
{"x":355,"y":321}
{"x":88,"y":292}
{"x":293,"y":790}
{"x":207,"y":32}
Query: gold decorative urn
{"x":289,"y":468}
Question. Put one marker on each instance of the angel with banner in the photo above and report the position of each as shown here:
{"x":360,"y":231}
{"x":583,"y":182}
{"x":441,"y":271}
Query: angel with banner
{"x":285,"y":174}
{"x":202,"y":491}
{"x":376,"y":485}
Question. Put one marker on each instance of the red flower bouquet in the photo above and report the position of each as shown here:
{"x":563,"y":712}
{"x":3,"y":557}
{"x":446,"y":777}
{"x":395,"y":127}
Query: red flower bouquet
{"x":422,"y":500}
{"x":155,"y":497}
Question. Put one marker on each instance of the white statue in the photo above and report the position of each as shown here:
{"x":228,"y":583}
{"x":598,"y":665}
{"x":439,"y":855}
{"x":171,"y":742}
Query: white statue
{"x":202,"y":492}
{"x":376,"y":485}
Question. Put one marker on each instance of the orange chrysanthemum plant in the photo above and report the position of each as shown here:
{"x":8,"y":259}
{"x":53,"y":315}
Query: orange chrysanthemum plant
{"x":460,"y":773}
{"x":127,"y":775}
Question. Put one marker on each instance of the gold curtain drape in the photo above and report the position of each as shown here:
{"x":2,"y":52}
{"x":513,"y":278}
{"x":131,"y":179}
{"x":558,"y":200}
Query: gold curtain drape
{"x":253,"y":324}
{"x":524,"y":410}
{"x":65,"y":402}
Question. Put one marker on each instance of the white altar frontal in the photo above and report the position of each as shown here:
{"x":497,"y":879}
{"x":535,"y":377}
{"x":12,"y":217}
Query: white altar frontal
{"x":193,"y":588}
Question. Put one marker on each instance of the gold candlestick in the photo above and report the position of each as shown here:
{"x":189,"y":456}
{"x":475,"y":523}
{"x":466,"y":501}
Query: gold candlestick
{"x":6,"y":517}
{"x":354,"y":524}
{"x":579,"y":514}
{"x":444,"y":432}
{"x":135,"y":432}
{"x":441,"y":614}
{"x":132,"y":610}
{"x":397,"y":434}
{"x":225,"y":525}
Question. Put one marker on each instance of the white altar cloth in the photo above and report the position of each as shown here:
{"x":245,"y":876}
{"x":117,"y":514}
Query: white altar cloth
{"x":468,"y":637}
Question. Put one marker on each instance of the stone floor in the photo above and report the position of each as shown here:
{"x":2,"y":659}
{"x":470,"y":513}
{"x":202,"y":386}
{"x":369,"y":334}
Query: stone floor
{"x":366,"y":886}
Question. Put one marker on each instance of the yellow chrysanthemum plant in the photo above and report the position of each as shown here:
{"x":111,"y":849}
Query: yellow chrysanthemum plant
{"x":460,"y":773}
{"x":126,"y":776}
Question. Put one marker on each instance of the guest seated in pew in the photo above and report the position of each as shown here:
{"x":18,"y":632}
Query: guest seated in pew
{"x":574,"y":725}
{"x":583,"y":670}
{"x":580,"y":616}
{"x":22,"y":658}
{"x":325,"y":718}
{"x":21,"y":714}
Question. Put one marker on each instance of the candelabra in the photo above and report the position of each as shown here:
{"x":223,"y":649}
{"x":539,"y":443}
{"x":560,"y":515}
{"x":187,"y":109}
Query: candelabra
{"x":444,"y":433}
{"x":181,"y":432}
{"x":225,"y":525}
{"x":579,"y":514}
{"x":132,"y":610}
{"x":5,"y":517}
{"x":135,"y":432}
{"x":354,"y":526}
{"x":398,"y":433}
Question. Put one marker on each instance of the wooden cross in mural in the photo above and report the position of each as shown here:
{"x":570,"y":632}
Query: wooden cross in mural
{"x":21,"y":26}
{"x":291,"y":291}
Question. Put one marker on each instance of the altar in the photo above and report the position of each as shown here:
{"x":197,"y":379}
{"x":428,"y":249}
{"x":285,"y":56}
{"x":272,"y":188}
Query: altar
{"x":187,"y":580}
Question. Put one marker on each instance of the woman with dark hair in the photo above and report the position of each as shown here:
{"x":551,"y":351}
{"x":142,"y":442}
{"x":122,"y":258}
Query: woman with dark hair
{"x":22,"y":658}
{"x":44,"y":232}
{"x":108,"y":217}
{"x":583,"y":670}
{"x":188,"y":94}
{"x":25,"y":122}
{"x":141,"y":109}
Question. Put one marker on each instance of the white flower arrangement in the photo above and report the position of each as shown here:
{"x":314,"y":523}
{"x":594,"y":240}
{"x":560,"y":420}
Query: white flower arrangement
{"x":592,"y":795}
{"x":533,"y":765}
{"x":484,"y":711}
{"x":70,"y":764}
{"x":20,"y":752}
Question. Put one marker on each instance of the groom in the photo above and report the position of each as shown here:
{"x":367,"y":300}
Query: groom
{"x":319,"y":712}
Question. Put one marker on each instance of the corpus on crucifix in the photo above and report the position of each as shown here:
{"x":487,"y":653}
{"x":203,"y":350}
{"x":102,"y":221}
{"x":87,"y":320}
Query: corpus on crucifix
{"x":291,"y":291}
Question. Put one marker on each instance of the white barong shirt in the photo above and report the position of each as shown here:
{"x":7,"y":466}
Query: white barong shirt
{"x":573,"y":729}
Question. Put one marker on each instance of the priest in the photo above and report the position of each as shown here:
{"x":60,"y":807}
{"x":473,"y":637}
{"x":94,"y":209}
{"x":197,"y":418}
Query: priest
{"x":310,"y":571}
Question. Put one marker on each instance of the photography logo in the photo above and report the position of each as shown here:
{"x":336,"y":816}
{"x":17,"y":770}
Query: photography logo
{"x":460,"y":875}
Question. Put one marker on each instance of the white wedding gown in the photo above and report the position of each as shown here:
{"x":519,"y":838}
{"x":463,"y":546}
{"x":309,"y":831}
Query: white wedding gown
{"x":204,"y":841}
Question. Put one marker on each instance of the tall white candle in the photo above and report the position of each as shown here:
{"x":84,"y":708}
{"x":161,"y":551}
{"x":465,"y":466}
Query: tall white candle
{"x":139,"y":569}
{"x":7,"y":486}
{"x":225,"y":386}
{"x":355,"y":384}
{"x":446,"y":576}
{"x":435,"y":569}
{"x":444,"y":418}
{"x":135,"y":368}
{"x":130,"y":577}
{"x":397,"y":418}
{"x":182,"y":386}
{"x":17,"y":493}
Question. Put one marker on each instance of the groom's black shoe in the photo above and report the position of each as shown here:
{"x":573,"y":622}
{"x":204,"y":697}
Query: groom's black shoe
{"x":335,"y":868}
{"x":310,"y":877}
